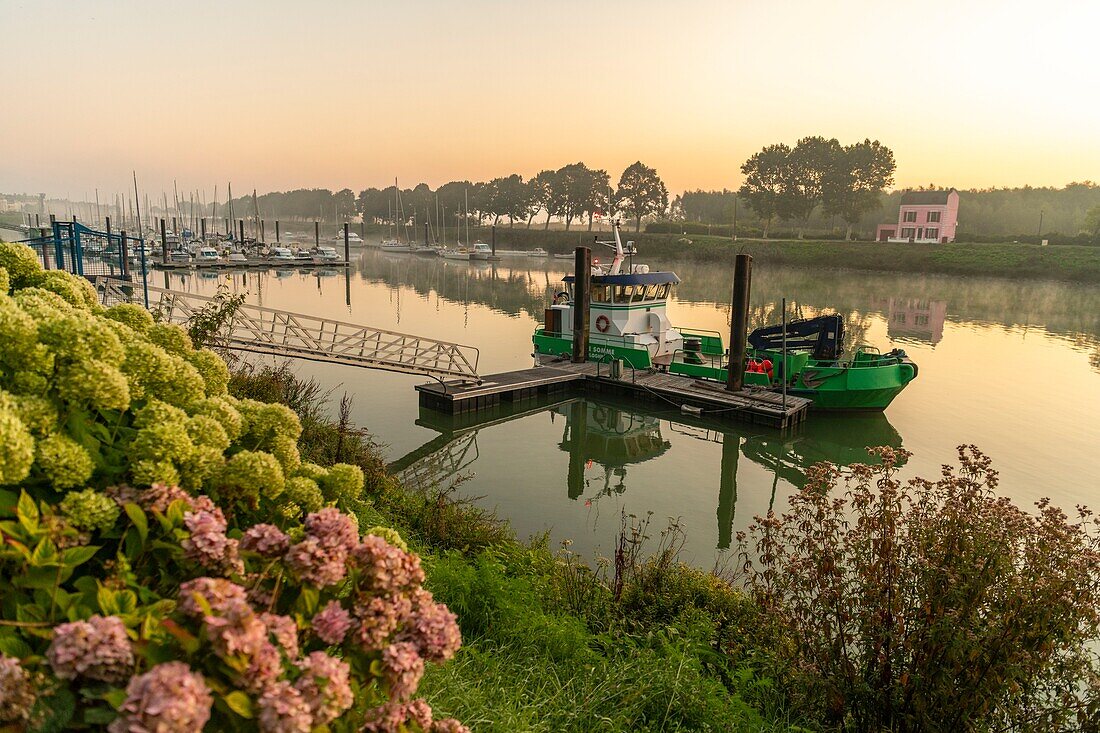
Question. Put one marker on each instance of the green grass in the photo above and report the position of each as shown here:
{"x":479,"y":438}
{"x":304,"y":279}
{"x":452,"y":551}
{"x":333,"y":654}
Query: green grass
{"x":547,"y":644}
{"x":1057,"y":262}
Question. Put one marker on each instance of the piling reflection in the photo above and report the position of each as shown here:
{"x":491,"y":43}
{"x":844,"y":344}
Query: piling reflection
{"x":606,"y":439}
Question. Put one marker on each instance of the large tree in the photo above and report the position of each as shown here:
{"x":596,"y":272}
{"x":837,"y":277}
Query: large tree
{"x":641,"y":192}
{"x":543,"y":195}
{"x":809,"y":167}
{"x":765,"y":177}
{"x":856,"y":183}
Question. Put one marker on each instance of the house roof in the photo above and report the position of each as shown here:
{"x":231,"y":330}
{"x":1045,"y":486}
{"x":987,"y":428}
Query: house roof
{"x":925,"y":197}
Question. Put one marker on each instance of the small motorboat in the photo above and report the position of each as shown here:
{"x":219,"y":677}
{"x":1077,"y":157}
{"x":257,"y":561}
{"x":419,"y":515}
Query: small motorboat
{"x":538,"y":252}
{"x":481,"y":251}
{"x":323,"y":254}
{"x":456,"y":254}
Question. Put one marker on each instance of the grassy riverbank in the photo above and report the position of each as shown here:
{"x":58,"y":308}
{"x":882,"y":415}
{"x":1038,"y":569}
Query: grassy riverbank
{"x":548,"y":643}
{"x":1023,"y":261}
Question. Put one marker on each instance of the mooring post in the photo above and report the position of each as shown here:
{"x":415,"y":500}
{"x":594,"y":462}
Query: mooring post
{"x":316,"y":233}
{"x":347,"y":244}
{"x":783,"y":364}
{"x":363,"y":229}
{"x":426,"y":242}
{"x":739,"y":322}
{"x":107,"y":227}
{"x":493,"y":239}
{"x":175,"y":227}
{"x":124,"y":253}
{"x":163,"y":243}
{"x":276,"y":231}
{"x":263,"y":238}
{"x":582,"y":299}
{"x":240,"y":223}
{"x":202,"y":226}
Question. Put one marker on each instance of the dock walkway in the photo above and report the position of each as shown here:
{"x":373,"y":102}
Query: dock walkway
{"x":556,"y":377}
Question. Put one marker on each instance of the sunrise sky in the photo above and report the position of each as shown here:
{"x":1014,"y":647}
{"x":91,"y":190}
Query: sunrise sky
{"x":279,"y":94}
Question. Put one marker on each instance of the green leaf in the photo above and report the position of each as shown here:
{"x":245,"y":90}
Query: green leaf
{"x":126,"y":600}
{"x":99,"y":716}
{"x":239,"y":703}
{"x":137,"y":516}
{"x":8,"y":501}
{"x":108,"y":601}
{"x":115,"y":698}
{"x":45,"y":553}
{"x":308,"y":600}
{"x":13,"y":646}
{"x":36,"y":577}
{"x":53,"y":712}
{"x":74,"y":556}
{"x":27,"y":512}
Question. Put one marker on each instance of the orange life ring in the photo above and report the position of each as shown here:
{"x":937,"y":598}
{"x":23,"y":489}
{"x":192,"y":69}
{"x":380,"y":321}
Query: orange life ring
{"x":602,"y":324}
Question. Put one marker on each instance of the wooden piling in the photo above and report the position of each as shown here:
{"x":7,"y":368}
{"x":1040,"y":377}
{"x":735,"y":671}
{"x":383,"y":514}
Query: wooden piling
{"x":124,"y":252}
{"x":347,"y":244}
{"x":582,"y":299}
{"x":277,"y":231}
{"x":263,"y":237}
{"x":316,"y":233}
{"x":240,"y":223}
{"x":163,"y":243}
{"x":739,"y":322}
{"x":493,"y":239}
{"x":202,"y":226}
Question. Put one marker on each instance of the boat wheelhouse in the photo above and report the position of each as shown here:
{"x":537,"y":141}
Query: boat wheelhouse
{"x":208,"y":254}
{"x":324,"y":254}
{"x":480,"y":251}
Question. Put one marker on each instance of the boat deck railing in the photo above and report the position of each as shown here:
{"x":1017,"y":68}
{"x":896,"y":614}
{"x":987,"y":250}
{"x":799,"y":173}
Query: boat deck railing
{"x":262,"y":330}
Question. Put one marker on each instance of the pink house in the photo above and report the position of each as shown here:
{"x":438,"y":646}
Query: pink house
{"x":926,"y":217}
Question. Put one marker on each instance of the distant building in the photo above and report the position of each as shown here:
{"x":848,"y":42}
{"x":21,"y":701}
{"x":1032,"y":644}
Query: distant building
{"x":925,"y":217}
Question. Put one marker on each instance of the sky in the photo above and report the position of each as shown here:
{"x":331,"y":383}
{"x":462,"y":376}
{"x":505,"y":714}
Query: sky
{"x":275,"y":95}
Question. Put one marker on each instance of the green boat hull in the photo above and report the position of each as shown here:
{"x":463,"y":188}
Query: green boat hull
{"x":869,"y":382}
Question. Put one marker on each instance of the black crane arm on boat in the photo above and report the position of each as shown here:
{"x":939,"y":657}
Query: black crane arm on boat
{"x":823,"y":335}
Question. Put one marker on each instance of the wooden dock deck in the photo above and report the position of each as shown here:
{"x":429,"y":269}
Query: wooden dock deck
{"x":555,"y":377}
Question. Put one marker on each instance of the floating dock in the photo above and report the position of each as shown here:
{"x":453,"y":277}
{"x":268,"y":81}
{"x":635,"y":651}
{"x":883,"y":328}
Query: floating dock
{"x":563,"y":378}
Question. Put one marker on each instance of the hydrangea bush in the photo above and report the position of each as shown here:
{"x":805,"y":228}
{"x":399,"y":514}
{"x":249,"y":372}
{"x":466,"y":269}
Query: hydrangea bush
{"x":167,"y":560}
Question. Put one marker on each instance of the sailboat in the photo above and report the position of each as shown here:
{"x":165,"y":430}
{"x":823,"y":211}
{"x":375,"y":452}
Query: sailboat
{"x":394,"y":243}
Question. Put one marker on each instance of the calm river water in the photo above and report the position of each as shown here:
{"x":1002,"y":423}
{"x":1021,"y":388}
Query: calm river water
{"x":1013,"y":367}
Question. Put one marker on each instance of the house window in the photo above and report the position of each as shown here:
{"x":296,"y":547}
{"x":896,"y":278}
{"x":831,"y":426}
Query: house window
{"x":908,"y":232}
{"x":910,"y":216}
{"x":920,"y":320}
{"x":931,"y":233}
{"x":933,"y":217}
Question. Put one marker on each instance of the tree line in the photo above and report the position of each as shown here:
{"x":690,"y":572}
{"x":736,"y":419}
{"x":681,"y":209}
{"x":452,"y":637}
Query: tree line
{"x":573,"y":194}
{"x":1067,"y":214}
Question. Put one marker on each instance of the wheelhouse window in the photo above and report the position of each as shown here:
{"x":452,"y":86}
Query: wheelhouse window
{"x":910,"y":216}
{"x":601,"y":293}
{"x":662,"y":291}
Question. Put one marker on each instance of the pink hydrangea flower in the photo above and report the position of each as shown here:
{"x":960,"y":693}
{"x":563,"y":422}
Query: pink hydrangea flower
{"x":169,"y":698}
{"x":96,"y":649}
{"x":283,"y":710}
{"x":419,"y":712}
{"x":265,"y":665}
{"x":402,"y":667}
{"x":208,"y":545}
{"x":313,"y":562}
{"x":333,"y":529}
{"x":158,"y":497}
{"x":16,"y":693}
{"x":236,"y":630}
{"x":449,"y":725}
{"x":331,"y":623}
{"x":379,"y":618}
{"x":433,"y":629}
{"x":387,"y":569}
{"x":386,"y":718}
{"x":284,"y":630}
{"x":218,"y":592}
{"x":325,"y":686}
{"x":265,"y":539}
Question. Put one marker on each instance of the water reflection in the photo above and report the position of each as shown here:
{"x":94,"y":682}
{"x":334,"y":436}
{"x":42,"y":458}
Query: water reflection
{"x":605,"y":440}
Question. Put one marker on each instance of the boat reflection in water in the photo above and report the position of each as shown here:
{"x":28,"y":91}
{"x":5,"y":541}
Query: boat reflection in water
{"x":605,"y":438}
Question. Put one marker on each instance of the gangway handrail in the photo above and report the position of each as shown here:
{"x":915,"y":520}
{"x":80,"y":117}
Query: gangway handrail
{"x":266,"y":330}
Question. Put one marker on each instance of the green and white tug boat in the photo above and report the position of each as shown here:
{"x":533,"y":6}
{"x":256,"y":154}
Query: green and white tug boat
{"x":628,"y":322}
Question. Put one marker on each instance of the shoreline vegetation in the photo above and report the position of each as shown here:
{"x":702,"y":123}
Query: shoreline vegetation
{"x":191,"y":543}
{"x":1073,"y":263}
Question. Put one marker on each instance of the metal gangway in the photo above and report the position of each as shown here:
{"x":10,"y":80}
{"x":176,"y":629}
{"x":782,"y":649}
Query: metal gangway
{"x":261,"y":330}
